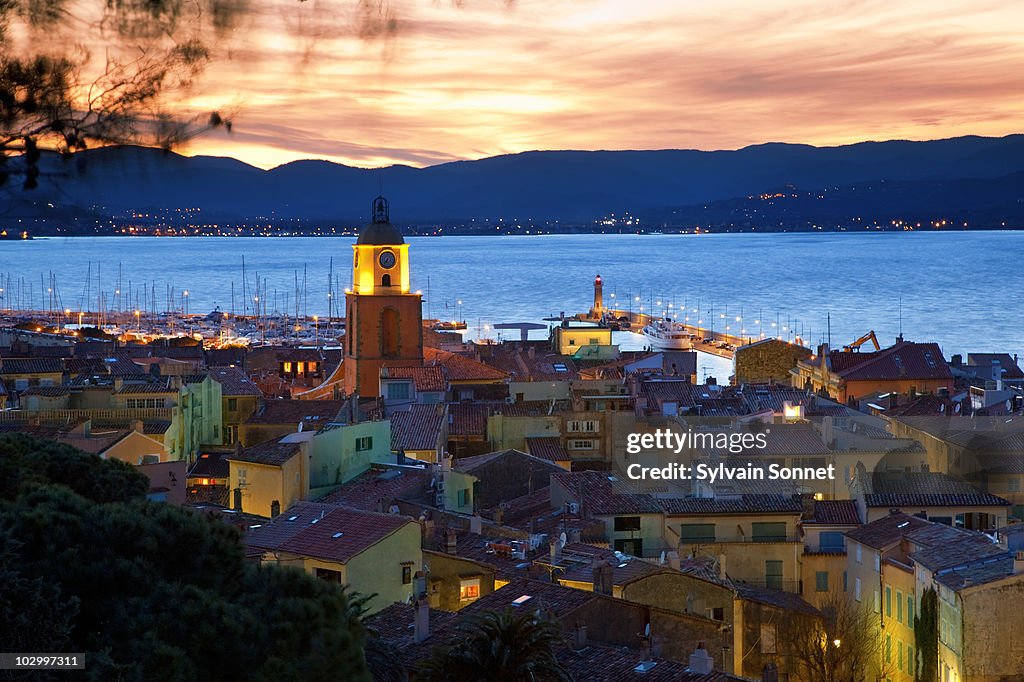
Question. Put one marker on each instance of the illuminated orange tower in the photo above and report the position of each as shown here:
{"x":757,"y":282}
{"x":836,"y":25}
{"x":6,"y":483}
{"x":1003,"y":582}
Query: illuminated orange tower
{"x":384,"y":322}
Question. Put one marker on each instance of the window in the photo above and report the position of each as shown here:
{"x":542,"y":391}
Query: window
{"x":718,"y":613}
{"x":398,"y":391}
{"x":856,"y":589}
{"x":899,"y":655}
{"x":888,"y":648}
{"x":406,"y":575}
{"x":821,"y":581}
{"x":910,"y":660}
{"x":910,"y":611}
{"x":769,"y":531}
{"x":241,"y":475}
{"x":328,"y":575}
{"x":1014,"y":485}
{"x":594,"y":342}
{"x":697,"y":532}
{"x":463,"y":497}
{"x":581,"y":445}
{"x":832,"y":542}
{"x":858,"y":553}
{"x":878,"y":562}
{"x":773,"y":574}
{"x":844,"y":582}
{"x":626,"y":523}
{"x":877,"y":601}
{"x":888,"y":602}
{"x":583,"y":426}
{"x":364,"y":443}
{"x":310,"y":367}
{"x":469,"y":589}
{"x":899,"y":606}
{"x":232,"y":404}
{"x":767,"y":638}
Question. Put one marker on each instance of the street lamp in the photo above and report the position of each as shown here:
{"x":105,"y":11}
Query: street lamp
{"x":316,"y":321}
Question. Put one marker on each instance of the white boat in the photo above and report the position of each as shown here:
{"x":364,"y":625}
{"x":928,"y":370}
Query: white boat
{"x":667,"y":335}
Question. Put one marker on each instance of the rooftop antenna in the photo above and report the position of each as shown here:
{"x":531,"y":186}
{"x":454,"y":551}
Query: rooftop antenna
{"x":901,"y":317}
{"x":828,"y":318}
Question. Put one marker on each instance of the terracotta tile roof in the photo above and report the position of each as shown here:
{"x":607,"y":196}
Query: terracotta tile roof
{"x":952,"y":550}
{"x":547,"y":448}
{"x":1010,"y":369}
{"x":778,"y":598}
{"x":210,"y":464}
{"x":376,"y":489}
{"x":594,"y":663}
{"x":669,"y":390}
{"x":532,"y":408}
{"x":886,"y":531}
{"x":470,"y":464}
{"x":31,"y":366}
{"x":269,"y":535}
{"x":926,"y":489}
{"x":425,"y":379}
{"x":978,"y":572}
{"x":835,"y":513}
{"x":417,"y":428}
{"x":325,"y":531}
{"x":150,"y":427}
{"x":601,"y":496}
{"x":234,"y":382}
{"x":747,"y":504}
{"x":271,"y":453}
{"x":905,"y":360}
{"x":148,"y":388}
{"x":47,"y":391}
{"x":468,"y":419}
{"x":460,"y":368}
{"x":311,"y":412}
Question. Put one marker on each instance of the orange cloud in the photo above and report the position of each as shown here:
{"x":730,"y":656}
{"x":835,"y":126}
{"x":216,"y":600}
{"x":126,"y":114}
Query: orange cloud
{"x":486,"y":78}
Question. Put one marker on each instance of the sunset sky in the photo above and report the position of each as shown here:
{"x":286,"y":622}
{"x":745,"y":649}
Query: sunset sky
{"x":479,"y":78}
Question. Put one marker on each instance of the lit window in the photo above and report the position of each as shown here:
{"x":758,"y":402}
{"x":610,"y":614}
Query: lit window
{"x":469,"y":590}
{"x":287,"y":368}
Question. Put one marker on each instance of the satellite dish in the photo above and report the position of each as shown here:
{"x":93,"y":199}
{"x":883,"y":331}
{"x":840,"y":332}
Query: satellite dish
{"x":561,"y":540}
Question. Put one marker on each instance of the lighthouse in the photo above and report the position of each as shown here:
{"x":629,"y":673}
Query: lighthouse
{"x":598,"y":310}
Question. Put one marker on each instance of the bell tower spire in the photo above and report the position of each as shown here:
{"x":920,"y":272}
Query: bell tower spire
{"x":384,"y":321}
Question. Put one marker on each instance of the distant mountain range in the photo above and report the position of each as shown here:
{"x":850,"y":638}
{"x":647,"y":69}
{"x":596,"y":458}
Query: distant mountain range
{"x":966,"y":175}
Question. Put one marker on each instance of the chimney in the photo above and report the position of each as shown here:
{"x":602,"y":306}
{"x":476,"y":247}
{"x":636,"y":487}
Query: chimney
{"x":673,"y":560}
{"x":701,"y":662}
{"x":556,"y":552}
{"x":581,"y":635}
{"x":476,"y":524}
{"x":499,"y":515}
{"x":138,"y":425}
{"x":1018,"y":563}
{"x":421,"y":624}
{"x":807,"y":502}
{"x":721,"y":567}
{"x":450,"y":541}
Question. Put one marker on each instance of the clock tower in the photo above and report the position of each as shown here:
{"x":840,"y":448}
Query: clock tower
{"x":384,"y":322}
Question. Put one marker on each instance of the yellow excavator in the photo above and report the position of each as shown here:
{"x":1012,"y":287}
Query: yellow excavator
{"x":855,"y":346}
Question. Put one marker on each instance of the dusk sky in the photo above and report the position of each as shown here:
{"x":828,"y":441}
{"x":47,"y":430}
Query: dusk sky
{"x":488,"y":78}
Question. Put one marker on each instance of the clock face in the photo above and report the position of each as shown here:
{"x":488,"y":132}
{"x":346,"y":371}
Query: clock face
{"x":387,"y":259}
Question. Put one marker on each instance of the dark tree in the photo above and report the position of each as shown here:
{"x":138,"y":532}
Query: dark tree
{"x":926,"y":636}
{"x":150,"y":591}
{"x":499,"y":647}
